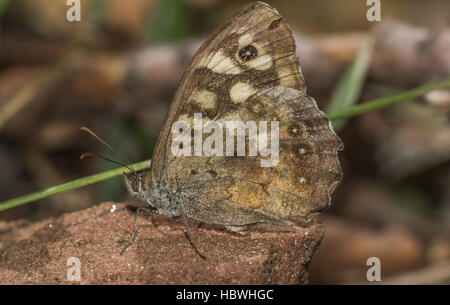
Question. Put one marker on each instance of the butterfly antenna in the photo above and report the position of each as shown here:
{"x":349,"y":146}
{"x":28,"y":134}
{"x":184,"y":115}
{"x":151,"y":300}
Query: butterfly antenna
{"x":89,"y":154}
{"x":124,"y":160}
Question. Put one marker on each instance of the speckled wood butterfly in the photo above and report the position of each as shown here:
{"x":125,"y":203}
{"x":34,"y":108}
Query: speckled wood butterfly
{"x":246,"y":70}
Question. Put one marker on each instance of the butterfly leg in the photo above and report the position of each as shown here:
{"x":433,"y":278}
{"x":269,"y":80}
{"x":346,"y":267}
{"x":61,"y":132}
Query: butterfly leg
{"x":188,"y":236}
{"x":139,"y":210}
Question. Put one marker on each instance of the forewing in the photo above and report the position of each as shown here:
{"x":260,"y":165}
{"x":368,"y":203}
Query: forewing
{"x":251,"y":51}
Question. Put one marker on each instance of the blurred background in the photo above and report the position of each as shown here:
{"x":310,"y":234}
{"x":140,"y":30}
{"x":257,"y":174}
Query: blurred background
{"x":116,"y":72}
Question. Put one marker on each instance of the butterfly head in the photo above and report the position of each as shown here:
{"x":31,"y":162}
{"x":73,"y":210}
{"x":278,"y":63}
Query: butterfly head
{"x":158,"y":197}
{"x":136,"y":183}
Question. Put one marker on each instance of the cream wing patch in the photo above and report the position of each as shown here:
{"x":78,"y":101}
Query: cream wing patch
{"x":220,"y":63}
{"x":205,"y":99}
{"x":240,"y":92}
{"x":263,"y":62}
{"x":245,"y":40}
{"x":188,"y":120}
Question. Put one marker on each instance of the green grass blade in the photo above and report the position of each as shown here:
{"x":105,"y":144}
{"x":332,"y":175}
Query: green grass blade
{"x":349,"y":88}
{"x":387,"y":101}
{"x":70,"y":185}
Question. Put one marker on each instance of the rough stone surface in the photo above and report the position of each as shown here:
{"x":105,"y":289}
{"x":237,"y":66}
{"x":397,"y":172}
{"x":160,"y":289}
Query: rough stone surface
{"x":161,"y":254}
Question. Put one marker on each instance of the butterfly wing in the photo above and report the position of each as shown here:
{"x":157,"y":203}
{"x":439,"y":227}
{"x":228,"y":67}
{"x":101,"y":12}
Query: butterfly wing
{"x":238,"y":190}
{"x":218,"y":66}
{"x":248,"y":71}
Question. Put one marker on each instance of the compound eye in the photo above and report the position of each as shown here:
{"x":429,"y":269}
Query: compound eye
{"x":135,"y":185}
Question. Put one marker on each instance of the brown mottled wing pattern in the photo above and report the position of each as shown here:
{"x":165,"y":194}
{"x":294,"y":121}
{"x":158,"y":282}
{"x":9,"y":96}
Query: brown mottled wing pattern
{"x":248,"y":70}
{"x":218,"y":72}
{"x":238,"y":191}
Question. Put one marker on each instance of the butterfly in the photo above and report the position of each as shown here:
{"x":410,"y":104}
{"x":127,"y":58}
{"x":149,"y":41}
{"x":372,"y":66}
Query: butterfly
{"x":246,"y":70}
